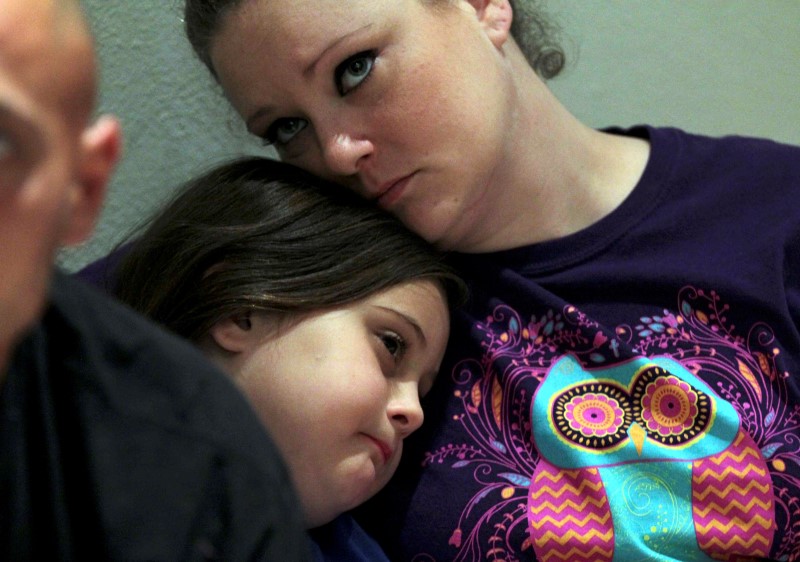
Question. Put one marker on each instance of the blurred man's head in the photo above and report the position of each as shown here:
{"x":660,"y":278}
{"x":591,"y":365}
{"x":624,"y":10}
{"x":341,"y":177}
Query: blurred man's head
{"x":54,"y":163}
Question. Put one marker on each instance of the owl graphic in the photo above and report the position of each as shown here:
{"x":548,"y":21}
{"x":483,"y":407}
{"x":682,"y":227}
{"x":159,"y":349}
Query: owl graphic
{"x":640,"y":459}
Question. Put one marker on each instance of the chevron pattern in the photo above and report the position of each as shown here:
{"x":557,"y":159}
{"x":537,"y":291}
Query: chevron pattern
{"x":569,"y":515}
{"x":732,"y":502}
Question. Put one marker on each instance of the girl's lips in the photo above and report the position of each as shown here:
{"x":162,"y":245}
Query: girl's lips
{"x":385,"y":450}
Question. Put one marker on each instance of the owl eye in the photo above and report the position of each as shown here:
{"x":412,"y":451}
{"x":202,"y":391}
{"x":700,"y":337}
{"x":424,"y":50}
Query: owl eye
{"x":594,"y":415}
{"x":669,"y":409}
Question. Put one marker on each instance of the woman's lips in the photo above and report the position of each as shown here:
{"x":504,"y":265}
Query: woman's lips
{"x":390,"y":192}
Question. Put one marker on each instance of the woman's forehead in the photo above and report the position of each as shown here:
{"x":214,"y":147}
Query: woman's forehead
{"x":307,"y":19}
{"x":278,"y":38}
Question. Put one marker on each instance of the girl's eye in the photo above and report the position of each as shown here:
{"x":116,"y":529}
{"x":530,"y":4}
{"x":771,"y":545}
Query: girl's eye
{"x":352,"y":72}
{"x":282,"y":131}
{"x":394,"y":344}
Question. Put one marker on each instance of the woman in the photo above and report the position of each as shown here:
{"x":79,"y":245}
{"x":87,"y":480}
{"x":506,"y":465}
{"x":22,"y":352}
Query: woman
{"x":329,"y":315}
{"x":632,"y":343}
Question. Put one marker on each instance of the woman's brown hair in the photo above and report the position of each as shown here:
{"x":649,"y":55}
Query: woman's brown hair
{"x":536,"y":33}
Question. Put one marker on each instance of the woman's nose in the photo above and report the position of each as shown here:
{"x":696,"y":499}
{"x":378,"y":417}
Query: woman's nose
{"x":343,"y":153}
{"x":404,"y":410}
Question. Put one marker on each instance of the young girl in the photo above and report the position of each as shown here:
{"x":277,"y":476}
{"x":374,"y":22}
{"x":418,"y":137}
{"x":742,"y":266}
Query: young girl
{"x":330,"y":316}
{"x":623,"y":383}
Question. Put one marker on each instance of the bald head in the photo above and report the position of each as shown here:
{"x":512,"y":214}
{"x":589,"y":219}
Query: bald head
{"x":54,"y":162}
{"x":59,"y":15}
{"x":48,"y":45}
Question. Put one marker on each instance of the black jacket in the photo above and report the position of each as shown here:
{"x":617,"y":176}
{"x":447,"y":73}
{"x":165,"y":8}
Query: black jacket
{"x":119,"y":441}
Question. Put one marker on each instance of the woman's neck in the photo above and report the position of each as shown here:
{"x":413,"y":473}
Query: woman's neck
{"x":559,"y":176}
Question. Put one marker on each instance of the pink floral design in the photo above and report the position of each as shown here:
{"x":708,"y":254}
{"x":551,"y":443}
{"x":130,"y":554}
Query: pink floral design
{"x":669,"y":406}
{"x":594,"y":415}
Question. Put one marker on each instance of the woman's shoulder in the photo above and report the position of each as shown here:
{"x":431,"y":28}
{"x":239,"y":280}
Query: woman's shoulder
{"x":735,"y":150}
{"x":686,"y":158}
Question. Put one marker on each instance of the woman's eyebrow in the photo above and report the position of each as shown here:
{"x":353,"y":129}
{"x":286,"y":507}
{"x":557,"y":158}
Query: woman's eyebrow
{"x":259,"y":113}
{"x":308,"y":70}
{"x":311,"y":68}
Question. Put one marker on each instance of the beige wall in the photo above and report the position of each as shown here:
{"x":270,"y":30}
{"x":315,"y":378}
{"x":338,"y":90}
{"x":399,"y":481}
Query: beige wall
{"x":709,"y":66}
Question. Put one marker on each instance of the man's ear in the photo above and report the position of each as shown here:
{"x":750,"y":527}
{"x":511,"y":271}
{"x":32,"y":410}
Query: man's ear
{"x":234,"y":334}
{"x":101,"y":146}
{"x":495,"y":17}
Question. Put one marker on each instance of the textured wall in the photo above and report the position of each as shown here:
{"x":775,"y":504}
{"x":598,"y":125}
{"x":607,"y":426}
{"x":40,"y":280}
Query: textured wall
{"x":174,"y":119}
{"x":712,"y":66}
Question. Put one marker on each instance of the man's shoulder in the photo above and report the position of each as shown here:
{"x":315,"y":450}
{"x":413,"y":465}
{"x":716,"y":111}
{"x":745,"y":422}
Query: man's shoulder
{"x":114,"y":341}
{"x":169,"y":449}
{"x":123,"y":363}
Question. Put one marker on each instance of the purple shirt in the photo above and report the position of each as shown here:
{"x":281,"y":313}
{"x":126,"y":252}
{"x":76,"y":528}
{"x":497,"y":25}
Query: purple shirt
{"x":630,"y":391}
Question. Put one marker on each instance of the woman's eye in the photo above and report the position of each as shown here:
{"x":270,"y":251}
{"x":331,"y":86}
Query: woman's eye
{"x":282,"y":131}
{"x":352,"y":72}
{"x":394,"y":344}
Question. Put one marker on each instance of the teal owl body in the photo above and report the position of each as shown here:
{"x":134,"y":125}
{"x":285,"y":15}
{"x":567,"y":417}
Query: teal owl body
{"x":662,"y":456}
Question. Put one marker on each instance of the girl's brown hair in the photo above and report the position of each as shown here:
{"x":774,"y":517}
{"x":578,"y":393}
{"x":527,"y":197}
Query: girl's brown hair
{"x":260,"y":235}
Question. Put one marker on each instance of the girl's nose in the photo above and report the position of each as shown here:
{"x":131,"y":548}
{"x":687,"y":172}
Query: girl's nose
{"x":404,"y":409}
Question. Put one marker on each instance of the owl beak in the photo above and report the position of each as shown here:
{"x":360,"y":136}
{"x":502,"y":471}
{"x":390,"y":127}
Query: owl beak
{"x":637,"y":435}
